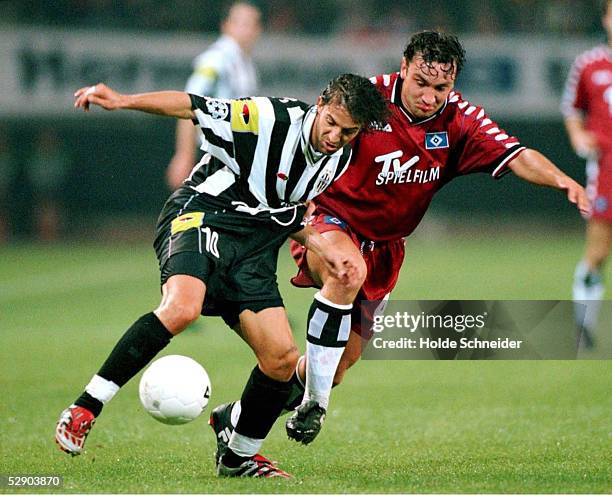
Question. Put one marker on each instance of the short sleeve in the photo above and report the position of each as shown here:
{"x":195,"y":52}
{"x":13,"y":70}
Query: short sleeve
{"x":206,"y":73}
{"x":486,"y":147}
{"x":574,"y":101}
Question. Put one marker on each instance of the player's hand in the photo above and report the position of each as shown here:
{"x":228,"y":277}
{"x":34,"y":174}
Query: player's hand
{"x":340,"y":266}
{"x":585,"y":144}
{"x":338,"y":263}
{"x":310,"y":208}
{"x":576,"y":195}
{"x":99,"y":94}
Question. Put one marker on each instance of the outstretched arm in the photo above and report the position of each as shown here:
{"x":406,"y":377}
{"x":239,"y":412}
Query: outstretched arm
{"x":534,"y":167}
{"x":171,"y":103}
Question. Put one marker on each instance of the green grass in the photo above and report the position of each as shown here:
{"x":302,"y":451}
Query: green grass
{"x":394,"y":426}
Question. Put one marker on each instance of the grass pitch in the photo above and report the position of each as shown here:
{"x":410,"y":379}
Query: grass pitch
{"x":394,"y":426}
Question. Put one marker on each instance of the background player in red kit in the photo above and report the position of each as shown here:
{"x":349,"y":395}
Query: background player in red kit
{"x":587,"y":108}
{"x":433,"y":135}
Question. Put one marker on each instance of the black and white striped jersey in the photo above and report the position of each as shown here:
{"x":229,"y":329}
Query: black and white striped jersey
{"x":258,"y":152}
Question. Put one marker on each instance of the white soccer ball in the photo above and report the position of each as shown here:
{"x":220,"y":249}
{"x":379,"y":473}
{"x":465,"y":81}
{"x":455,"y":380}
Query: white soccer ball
{"x":174,"y":389}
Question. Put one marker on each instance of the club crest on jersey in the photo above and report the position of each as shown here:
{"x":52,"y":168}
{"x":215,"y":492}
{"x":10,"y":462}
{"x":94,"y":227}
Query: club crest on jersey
{"x":324,"y":180}
{"x":436,"y":140}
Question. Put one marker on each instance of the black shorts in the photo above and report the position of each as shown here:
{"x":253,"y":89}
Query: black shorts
{"x":235,"y":254}
{"x":215,"y":303}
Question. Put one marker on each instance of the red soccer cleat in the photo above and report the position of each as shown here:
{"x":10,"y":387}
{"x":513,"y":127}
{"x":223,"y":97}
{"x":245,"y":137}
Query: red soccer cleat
{"x":257,"y":467}
{"x":72,"y":429}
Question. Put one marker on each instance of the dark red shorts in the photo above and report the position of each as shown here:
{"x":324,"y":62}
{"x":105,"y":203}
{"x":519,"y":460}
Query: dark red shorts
{"x":599,"y":186}
{"x":383,"y":261}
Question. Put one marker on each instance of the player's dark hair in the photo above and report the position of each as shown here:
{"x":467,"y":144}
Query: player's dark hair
{"x":435,"y":46}
{"x":359,"y":96}
{"x":604,"y":6}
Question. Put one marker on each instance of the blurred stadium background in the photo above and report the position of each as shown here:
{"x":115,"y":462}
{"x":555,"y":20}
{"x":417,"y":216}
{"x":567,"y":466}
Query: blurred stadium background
{"x":518,"y":53}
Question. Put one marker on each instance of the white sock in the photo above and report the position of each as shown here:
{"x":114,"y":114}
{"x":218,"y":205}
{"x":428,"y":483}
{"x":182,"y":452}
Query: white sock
{"x":245,"y":446}
{"x":101,"y":389}
{"x":320,"y":370}
{"x":588,"y":292}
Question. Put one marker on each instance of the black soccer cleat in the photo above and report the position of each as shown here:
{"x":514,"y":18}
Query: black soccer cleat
{"x":305,"y":423}
{"x":221,"y":422}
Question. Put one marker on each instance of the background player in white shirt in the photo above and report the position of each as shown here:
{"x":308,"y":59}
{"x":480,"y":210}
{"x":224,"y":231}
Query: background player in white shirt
{"x":224,"y":70}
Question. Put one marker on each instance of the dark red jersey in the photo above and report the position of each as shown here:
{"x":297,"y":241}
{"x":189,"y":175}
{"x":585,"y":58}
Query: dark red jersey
{"x":588,"y":92}
{"x":395,"y":172}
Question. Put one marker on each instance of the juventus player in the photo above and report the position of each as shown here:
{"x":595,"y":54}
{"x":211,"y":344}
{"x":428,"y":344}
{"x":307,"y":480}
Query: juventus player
{"x":218,"y":238}
{"x":587,"y":108}
{"x":433,"y":135}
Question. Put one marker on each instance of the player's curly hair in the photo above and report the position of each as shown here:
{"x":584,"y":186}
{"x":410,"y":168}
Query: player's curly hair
{"x":435,"y":46}
{"x":359,"y":96}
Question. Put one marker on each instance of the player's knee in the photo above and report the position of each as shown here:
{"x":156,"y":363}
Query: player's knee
{"x":178,"y":315}
{"x":361,"y":273}
{"x":280,"y":365}
{"x":188,"y":313}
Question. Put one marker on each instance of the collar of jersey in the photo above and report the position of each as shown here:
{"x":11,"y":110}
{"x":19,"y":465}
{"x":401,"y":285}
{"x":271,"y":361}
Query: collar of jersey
{"x":312,"y":156}
{"x":396,"y":99}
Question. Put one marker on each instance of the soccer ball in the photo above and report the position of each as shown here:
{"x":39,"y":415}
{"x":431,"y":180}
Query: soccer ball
{"x":174,"y":390}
